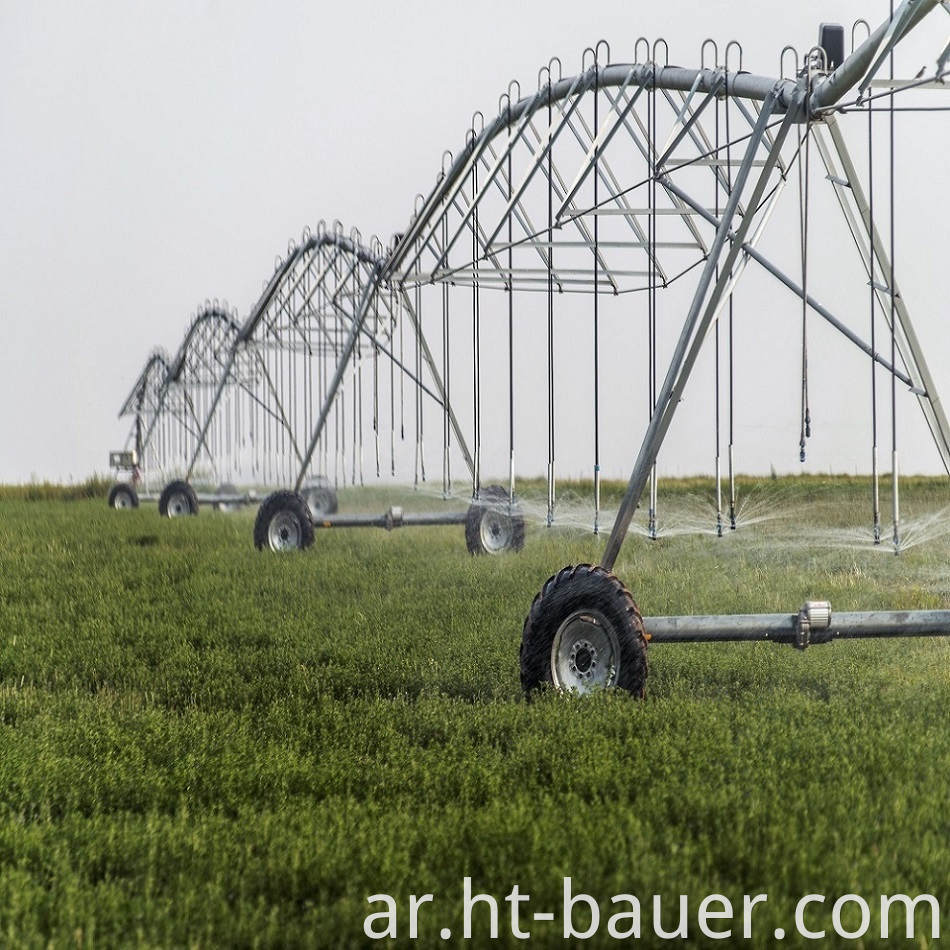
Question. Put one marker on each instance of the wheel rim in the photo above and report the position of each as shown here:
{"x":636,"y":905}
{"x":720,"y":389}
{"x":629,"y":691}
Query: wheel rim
{"x":585,"y":653}
{"x":122,"y":500}
{"x":317,"y":502}
{"x":283,"y":532}
{"x":495,"y":531}
{"x":178,"y":504}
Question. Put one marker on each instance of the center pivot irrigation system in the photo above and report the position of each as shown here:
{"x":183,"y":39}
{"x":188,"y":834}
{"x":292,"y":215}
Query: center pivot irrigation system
{"x":579,"y":203}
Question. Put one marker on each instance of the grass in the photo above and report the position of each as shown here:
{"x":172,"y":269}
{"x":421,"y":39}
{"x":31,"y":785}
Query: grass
{"x":95,"y":487}
{"x":203,"y":745}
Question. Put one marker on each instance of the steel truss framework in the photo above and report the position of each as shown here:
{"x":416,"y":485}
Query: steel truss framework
{"x":616,"y":183}
{"x":145,"y":403}
{"x":265,"y":401}
{"x":168,"y":400}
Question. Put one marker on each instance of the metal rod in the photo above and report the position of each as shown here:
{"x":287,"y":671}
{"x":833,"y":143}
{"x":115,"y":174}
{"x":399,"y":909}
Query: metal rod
{"x":851,"y":71}
{"x":344,"y":357}
{"x":394,"y":518}
{"x":822,"y":311}
{"x":682,"y":360}
{"x":785,"y":628}
{"x":908,"y":345}
{"x":441,"y":388}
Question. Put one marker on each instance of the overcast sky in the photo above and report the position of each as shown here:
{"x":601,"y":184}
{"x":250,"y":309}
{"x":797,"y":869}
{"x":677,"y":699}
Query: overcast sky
{"x":153,"y":155}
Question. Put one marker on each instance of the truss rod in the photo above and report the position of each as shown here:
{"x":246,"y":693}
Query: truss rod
{"x":600,"y":144}
{"x":503,"y":182}
{"x":604,"y":172}
{"x":908,"y":345}
{"x":694,"y":115}
{"x":343,"y":360}
{"x":402,"y":366}
{"x":442,"y":399}
{"x":542,"y":151}
{"x":697,"y":322}
{"x":744,"y":85}
{"x":821,"y":310}
{"x":454,"y":180}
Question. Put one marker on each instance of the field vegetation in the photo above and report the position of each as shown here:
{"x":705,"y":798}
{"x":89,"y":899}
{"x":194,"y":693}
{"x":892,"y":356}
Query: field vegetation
{"x":203,"y":745}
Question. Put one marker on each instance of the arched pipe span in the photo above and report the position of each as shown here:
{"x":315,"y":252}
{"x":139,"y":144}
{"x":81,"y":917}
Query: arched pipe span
{"x":212,"y":316}
{"x":373,"y":258}
{"x":207,"y":316}
{"x":354,"y":250}
{"x":153,"y":376}
{"x":785,"y":94}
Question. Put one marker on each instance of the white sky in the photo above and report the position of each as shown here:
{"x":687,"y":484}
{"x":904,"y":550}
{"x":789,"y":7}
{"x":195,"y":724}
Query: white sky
{"x":153,"y":155}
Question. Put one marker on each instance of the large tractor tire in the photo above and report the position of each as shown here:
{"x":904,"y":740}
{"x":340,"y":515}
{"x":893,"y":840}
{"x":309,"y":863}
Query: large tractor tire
{"x":178,"y":499}
{"x":583,"y":632}
{"x":283,"y":523}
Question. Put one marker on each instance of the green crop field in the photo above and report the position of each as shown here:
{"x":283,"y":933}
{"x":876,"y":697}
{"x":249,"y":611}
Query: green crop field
{"x":203,"y":745}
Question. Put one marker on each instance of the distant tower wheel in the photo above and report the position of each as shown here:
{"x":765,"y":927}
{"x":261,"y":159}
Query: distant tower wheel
{"x":283,"y":523}
{"x":122,"y":496}
{"x":494,"y":523}
{"x":178,"y":499}
{"x":320,"y":496}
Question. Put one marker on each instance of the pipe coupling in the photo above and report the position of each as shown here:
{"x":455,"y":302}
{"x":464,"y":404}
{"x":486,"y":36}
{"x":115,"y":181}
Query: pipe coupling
{"x":814,"y":617}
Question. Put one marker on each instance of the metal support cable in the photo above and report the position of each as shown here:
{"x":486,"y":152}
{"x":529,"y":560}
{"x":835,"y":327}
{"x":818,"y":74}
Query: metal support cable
{"x":596,"y":158}
{"x":893,"y":304}
{"x":357,"y":450}
{"x":875,"y":475}
{"x":420,"y":472}
{"x":294,"y":396}
{"x":308,"y":383}
{"x":732,"y":364}
{"x":283,"y":363}
{"x":360,"y":389}
{"x":511,"y":338}
{"x":698,"y":319}
{"x":324,"y":389}
{"x":402,"y":362}
{"x":803,"y":179}
{"x":337,"y":400}
{"x":446,"y":477}
{"x":376,"y":382}
{"x":392,"y":416}
{"x":476,"y":344}
{"x":717,"y":186}
{"x":652,"y":289}
{"x":550,"y":276}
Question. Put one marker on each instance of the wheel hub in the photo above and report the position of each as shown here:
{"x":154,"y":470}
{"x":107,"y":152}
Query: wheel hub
{"x":284,"y":533}
{"x":583,"y":659}
{"x":496,"y":531}
{"x":318,"y":502}
{"x":585,"y":653}
{"x":178,"y":505}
